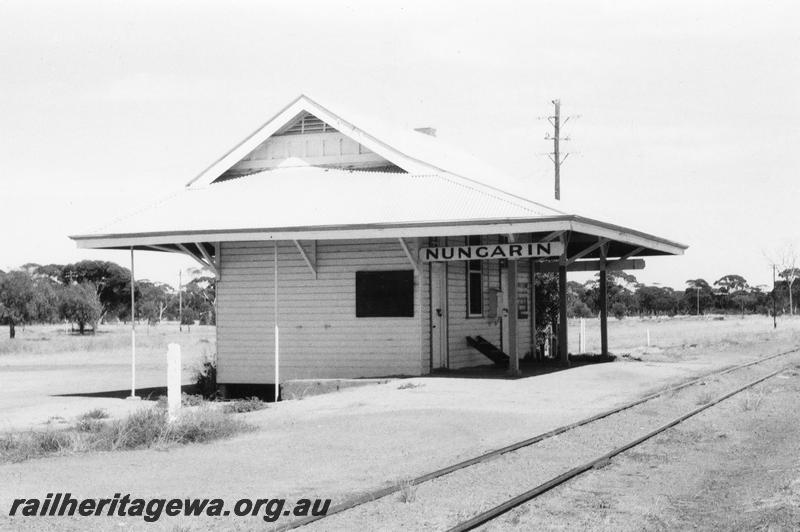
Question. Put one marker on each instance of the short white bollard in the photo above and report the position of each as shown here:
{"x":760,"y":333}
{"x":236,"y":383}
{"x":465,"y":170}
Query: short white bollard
{"x":582,"y":337}
{"x":648,"y":337}
{"x":173,"y":380}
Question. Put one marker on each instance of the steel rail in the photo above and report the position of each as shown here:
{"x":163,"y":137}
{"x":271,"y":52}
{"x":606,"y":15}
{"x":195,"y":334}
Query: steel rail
{"x":394,"y":488}
{"x":522,"y":498}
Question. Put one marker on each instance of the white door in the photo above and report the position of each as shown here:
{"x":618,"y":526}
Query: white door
{"x":439,"y":315}
{"x":502,"y":312}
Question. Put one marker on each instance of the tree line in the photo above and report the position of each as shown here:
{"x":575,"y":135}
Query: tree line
{"x":727,"y":295}
{"x":89,"y":292}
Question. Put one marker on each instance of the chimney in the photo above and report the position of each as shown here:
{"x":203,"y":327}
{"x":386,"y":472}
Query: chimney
{"x":431,"y":131}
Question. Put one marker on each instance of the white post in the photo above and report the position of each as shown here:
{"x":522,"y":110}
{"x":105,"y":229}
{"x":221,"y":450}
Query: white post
{"x":173,"y":380}
{"x":277,"y":331}
{"x":582,"y":337}
{"x":133,"y":332}
{"x":648,"y":337}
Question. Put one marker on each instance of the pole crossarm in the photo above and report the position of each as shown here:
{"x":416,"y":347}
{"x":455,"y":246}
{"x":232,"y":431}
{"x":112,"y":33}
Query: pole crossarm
{"x":586,"y":251}
{"x":311,"y":265}
{"x":411,"y":258}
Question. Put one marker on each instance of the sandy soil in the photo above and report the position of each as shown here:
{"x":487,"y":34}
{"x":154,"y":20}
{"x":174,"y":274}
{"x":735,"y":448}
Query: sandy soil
{"x":48,"y":377}
{"x":337,"y":445}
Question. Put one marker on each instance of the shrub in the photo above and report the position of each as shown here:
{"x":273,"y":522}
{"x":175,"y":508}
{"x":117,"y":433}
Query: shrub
{"x":80,"y":303}
{"x":752,"y":400}
{"x":206,"y":377}
{"x":619,"y":310}
{"x":19,"y":447}
{"x":143,"y":428}
{"x":202,"y":425}
{"x":91,"y":421}
{"x":188,"y":317}
{"x":250,"y":404}
{"x":191,"y":399}
{"x":579,"y":309}
{"x":96,"y":413}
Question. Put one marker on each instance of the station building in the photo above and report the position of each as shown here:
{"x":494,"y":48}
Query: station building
{"x":345,"y":250}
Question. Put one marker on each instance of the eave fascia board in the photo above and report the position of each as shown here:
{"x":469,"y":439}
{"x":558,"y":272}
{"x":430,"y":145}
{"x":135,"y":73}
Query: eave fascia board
{"x":616,"y":233}
{"x":365,"y":231}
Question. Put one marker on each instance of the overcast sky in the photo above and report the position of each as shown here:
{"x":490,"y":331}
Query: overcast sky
{"x":688,"y":127}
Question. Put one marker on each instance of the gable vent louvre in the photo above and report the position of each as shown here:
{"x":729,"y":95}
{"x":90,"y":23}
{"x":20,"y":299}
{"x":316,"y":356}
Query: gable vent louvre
{"x":309,"y":124}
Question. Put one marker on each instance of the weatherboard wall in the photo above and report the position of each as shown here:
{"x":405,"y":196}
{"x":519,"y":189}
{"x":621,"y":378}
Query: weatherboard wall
{"x":320,"y":336}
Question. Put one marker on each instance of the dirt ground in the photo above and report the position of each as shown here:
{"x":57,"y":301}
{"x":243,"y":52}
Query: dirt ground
{"x":47,"y":376}
{"x":337,"y":445}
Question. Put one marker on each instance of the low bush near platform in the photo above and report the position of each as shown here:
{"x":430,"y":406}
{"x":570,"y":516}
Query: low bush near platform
{"x":239,"y":406}
{"x":145,"y":428}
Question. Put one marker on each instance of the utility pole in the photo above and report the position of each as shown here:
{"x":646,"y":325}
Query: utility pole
{"x":180,"y":300}
{"x":555,"y":121}
{"x":774,"y":306}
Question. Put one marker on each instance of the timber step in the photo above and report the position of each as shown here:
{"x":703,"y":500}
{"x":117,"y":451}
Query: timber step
{"x":489,"y":350}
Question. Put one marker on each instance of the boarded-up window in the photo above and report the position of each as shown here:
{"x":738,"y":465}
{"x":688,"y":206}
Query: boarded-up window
{"x":385,"y":294}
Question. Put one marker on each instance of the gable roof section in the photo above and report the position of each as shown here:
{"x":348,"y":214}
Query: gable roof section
{"x":414,"y":152}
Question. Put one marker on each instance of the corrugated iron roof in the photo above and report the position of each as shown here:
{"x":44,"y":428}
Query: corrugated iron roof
{"x":314,"y":196}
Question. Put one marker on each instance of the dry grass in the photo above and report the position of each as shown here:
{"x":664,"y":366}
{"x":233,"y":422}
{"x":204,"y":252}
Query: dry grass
{"x":704,"y":397}
{"x":111,"y":338}
{"x":239,"y":406}
{"x":408,"y":490}
{"x":751,"y":400}
{"x":145,"y":428}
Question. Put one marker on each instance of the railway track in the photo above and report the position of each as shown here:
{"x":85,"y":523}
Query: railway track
{"x":505,"y":506}
{"x":500,"y":509}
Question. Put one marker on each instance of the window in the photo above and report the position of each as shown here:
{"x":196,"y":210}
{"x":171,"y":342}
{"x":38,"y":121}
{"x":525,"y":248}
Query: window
{"x":474,"y":282}
{"x":385,"y":294}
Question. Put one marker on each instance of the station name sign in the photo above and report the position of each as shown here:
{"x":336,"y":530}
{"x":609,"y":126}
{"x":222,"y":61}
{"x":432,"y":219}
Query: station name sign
{"x":524,"y":250}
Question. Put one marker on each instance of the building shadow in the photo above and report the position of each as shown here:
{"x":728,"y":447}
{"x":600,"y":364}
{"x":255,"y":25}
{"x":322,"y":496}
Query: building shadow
{"x":528,"y":368}
{"x":152,"y":393}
